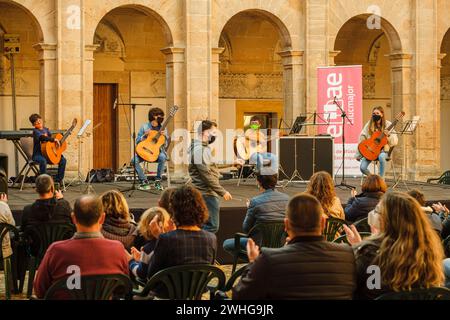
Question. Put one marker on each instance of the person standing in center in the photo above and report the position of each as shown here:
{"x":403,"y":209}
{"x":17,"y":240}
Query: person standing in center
{"x":204,"y":173}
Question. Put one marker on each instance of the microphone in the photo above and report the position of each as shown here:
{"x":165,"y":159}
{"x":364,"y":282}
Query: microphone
{"x":115,"y":104}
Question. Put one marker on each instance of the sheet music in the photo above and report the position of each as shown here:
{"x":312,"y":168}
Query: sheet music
{"x":84,"y":127}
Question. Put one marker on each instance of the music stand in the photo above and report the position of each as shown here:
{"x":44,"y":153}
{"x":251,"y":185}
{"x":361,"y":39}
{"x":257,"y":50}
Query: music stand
{"x":343,"y":116}
{"x":133,"y":108}
{"x":80,"y":136}
{"x":408,"y":130}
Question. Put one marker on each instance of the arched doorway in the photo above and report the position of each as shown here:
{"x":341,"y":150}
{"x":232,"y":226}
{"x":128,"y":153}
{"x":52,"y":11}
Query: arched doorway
{"x":379,"y":52}
{"x":17,"y":20}
{"x":129,"y":67}
{"x":445,"y":102}
{"x":251,"y":72}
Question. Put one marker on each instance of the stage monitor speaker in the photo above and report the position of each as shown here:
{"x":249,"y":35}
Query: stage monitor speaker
{"x":3,"y":173}
{"x":324,"y":151}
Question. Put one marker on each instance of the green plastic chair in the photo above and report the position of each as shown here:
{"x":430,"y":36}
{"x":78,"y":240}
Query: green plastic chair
{"x":446,"y":244}
{"x":9,"y":267}
{"x":39,"y":237}
{"x":343,"y":238}
{"x":443,"y":179}
{"x":221,"y":294}
{"x":186,"y":282}
{"x":271,"y":235}
{"x":362,"y":225}
{"x":333,"y":227}
{"x":435,"y":293}
{"x":92,"y":287}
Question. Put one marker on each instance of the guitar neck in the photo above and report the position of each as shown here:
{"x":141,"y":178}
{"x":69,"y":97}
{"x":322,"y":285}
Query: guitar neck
{"x":67,"y":134}
{"x":163,"y":127}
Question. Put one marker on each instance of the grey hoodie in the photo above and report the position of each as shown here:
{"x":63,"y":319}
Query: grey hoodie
{"x":203,"y":172}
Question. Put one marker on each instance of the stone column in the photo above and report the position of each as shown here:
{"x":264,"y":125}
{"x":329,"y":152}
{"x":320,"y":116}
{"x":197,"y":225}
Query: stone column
{"x":48,"y":88}
{"x":175,"y":95}
{"x":293,"y":84}
{"x":215,"y":63}
{"x":402,"y":101}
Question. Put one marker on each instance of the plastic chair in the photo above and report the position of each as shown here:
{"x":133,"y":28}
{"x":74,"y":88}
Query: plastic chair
{"x":9,"y":266}
{"x":435,"y":293}
{"x":362,"y":225}
{"x":221,"y":294}
{"x":270,"y":235}
{"x":92,"y":287}
{"x":186,"y":282}
{"x":343,"y":238}
{"x":443,"y":179}
{"x":333,"y":227}
{"x":39,"y":238}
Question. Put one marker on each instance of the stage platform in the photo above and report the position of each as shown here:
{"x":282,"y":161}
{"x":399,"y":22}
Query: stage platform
{"x":232,"y":212}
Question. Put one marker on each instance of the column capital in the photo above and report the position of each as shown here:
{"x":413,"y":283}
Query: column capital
{"x":331,"y":55}
{"x":291,"y":57}
{"x":173,"y":54}
{"x":47,"y":51}
{"x":91,"y":47}
{"x":441,"y":57}
{"x":400,"y":60}
{"x":215,"y":54}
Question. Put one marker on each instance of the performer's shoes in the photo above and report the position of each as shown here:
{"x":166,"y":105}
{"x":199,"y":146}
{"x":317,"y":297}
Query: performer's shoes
{"x":144,"y":185}
{"x":158,"y":185}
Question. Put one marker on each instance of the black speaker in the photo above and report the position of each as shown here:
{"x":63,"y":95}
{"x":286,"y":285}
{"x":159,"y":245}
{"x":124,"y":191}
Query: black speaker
{"x":3,"y":173}
{"x":322,"y":157}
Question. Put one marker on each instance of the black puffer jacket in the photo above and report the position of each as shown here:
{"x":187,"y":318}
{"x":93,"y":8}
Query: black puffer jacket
{"x":307,"y":268}
{"x":359,"y":207}
{"x":49,"y":210}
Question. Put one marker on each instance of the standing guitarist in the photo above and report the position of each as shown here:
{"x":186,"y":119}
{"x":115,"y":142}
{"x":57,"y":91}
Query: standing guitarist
{"x":155,"y":120}
{"x":377,"y":123}
{"x":42,"y":134}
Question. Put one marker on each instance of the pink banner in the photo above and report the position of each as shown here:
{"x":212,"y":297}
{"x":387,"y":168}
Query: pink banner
{"x":342,"y":85}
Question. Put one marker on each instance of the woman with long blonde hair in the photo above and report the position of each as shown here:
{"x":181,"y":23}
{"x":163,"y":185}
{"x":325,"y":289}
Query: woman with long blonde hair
{"x":322,"y":187}
{"x":408,"y":252}
{"x":119,"y":224}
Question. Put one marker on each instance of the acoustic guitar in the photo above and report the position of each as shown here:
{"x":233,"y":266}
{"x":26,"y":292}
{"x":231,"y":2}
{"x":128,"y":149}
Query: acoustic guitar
{"x":149,"y":149}
{"x":244,"y":146}
{"x":51,"y":151}
{"x":371,"y":148}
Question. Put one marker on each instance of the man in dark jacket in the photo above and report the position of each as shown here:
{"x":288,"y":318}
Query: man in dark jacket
{"x":205,"y":175}
{"x":269,"y":205}
{"x":50,"y":207}
{"x":307,"y":267}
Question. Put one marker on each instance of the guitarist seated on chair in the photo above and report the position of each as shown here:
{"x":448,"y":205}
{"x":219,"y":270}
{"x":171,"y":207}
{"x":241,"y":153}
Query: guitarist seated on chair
{"x":155,"y":120}
{"x":377,"y":123}
{"x":257,"y":145}
{"x":42,"y":134}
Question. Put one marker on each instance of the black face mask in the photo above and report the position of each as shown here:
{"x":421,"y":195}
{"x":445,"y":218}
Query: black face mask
{"x":376,"y":117}
{"x":211,"y":139}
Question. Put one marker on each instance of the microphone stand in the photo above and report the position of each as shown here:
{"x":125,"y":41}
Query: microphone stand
{"x":133,"y":107}
{"x":343,"y":184}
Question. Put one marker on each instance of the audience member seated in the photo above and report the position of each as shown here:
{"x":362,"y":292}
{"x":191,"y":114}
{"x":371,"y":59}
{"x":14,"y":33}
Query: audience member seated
{"x":447,"y":272}
{"x":443,"y":213}
{"x":118,"y":224}
{"x":269,"y":205}
{"x":407,"y":252}
{"x":88,"y":250}
{"x":6,"y":217}
{"x":358,"y":206}
{"x":435,"y":220}
{"x":140,"y":259}
{"x":307,"y":267}
{"x":51,"y":207}
{"x":188,"y":244}
{"x":321,"y":186}
{"x":164,"y":200}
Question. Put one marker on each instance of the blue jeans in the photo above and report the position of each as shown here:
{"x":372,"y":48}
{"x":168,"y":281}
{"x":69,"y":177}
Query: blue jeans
{"x":228,"y":245}
{"x":258,"y":159}
{"x":43,"y":166}
{"x":161,"y":166}
{"x":447,"y":272}
{"x":382,"y":163}
{"x":213,"y":205}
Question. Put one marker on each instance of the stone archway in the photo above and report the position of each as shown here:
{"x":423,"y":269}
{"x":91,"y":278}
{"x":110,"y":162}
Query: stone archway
{"x":133,"y":52}
{"x":445,"y":100}
{"x":257,"y":63}
{"x":29,"y":72}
